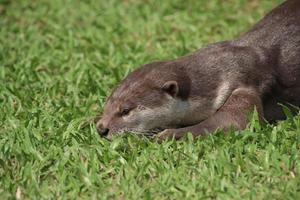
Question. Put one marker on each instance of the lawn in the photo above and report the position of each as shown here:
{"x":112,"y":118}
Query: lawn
{"x":59,"y":60}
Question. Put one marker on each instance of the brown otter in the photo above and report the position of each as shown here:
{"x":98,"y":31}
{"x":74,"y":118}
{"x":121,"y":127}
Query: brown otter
{"x":216,"y":86}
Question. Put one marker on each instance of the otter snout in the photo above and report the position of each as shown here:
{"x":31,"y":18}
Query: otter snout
{"x":102,"y":129}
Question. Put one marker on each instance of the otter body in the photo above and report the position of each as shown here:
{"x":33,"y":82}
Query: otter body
{"x":215,"y":87}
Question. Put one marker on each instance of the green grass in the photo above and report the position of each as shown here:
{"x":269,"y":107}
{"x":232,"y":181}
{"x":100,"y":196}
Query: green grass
{"x":58,"y":62}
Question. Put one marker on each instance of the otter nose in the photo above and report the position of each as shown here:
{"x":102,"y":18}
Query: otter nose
{"x":103,"y":131}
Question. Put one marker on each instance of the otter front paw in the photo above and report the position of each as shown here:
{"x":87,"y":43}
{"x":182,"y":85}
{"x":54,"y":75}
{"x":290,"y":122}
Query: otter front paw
{"x":168,"y":134}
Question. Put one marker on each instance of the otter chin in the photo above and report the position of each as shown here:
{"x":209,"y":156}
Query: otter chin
{"x":214,"y":88}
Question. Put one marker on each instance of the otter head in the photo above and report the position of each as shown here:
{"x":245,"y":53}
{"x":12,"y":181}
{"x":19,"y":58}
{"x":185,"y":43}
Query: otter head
{"x":149,"y":100}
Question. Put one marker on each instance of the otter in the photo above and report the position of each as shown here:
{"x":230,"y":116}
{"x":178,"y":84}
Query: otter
{"x":215,"y":87}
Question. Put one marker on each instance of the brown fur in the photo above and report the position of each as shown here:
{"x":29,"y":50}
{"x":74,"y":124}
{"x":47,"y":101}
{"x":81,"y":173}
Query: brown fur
{"x":216,"y":86}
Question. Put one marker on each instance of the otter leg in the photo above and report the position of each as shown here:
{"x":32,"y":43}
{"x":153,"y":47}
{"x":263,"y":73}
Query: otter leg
{"x":234,"y":113}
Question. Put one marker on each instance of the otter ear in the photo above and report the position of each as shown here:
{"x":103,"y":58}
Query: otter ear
{"x":171,"y":87}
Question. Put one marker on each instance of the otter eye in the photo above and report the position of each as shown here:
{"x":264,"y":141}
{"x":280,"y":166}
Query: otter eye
{"x":125,"y":111}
